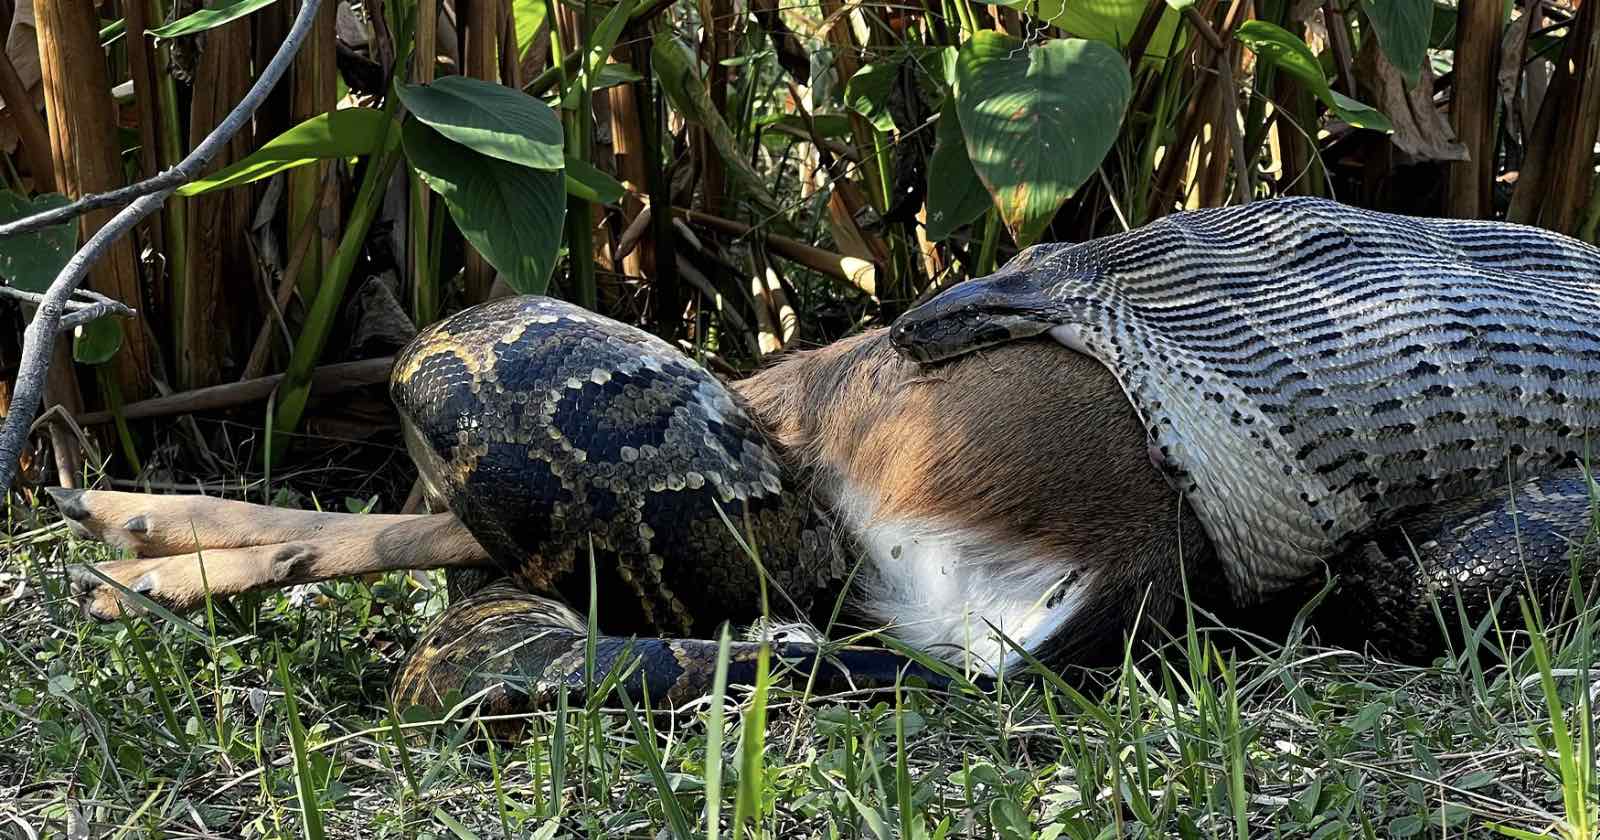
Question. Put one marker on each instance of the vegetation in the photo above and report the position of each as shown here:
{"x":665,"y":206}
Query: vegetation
{"x":271,"y":720}
{"x":738,"y":178}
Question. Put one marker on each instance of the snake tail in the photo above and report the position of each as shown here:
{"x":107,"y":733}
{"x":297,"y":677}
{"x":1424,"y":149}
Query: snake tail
{"x":519,"y":651}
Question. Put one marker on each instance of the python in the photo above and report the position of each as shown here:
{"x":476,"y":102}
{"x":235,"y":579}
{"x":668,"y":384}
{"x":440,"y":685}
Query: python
{"x":1013,"y":498}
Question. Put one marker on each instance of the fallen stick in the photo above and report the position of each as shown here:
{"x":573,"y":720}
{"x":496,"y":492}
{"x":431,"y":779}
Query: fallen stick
{"x":860,"y":273}
{"x":328,"y":379}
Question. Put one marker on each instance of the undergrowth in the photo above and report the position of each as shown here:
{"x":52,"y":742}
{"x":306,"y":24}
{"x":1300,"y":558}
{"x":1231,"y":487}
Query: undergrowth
{"x":268,"y":717}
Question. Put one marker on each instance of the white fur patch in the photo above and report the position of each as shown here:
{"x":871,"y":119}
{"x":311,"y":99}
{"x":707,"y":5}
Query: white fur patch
{"x":1071,"y":337}
{"x":945,"y":590}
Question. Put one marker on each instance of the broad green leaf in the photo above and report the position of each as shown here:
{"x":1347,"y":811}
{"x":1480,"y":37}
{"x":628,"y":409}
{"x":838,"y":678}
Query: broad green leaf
{"x":96,"y":342}
{"x":1107,"y":21}
{"x":868,"y":91}
{"x":492,"y":119}
{"x":1038,"y":120}
{"x":1403,"y":28}
{"x":210,"y":18}
{"x":678,"y":72}
{"x":30,"y":262}
{"x":512,"y":214}
{"x":1360,"y":114}
{"x":590,"y":184}
{"x":1291,"y":55}
{"x":1112,"y":22}
{"x":955,"y":195}
{"x":527,"y":14}
{"x":604,"y":38}
{"x":351,"y":132}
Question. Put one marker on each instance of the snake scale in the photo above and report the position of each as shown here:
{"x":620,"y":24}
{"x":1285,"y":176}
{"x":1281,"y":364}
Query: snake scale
{"x":1401,"y":399}
{"x":558,"y":436}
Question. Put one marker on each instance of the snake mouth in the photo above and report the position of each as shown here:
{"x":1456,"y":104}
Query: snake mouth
{"x":971,"y":316}
{"x":951,"y":337}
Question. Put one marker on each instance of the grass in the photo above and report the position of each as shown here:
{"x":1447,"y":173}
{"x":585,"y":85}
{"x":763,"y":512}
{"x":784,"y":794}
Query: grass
{"x":268,"y":718}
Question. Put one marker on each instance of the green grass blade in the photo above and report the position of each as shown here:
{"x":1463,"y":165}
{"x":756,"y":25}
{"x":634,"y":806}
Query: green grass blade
{"x":1572,"y":768}
{"x":304,"y":786}
{"x":714,"y":724}
{"x":407,"y":768}
{"x":677,"y":821}
{"x":752,"y":746}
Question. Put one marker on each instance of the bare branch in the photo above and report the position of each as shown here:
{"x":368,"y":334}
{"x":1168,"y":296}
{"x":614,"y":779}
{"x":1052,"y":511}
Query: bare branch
{"x":91,"y":312}
{"x":78,"y":312}
{"x":192,"y":166}
{"x":147,"y":197}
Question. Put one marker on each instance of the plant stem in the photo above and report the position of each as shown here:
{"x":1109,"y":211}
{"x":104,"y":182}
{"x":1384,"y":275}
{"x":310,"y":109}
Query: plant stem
{"x":291,"y":400}
{"x":991,"y":244}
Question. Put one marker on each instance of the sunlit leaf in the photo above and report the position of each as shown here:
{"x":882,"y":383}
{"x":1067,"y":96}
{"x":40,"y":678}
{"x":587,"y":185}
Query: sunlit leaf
{"x":511,"y":214}
{"x":492,"y":119}
{"x":1291,"y":55}
{"x":590,"y":184}
{"x":210,"y":18}
{"x":1110,"y":22}
{"x":351,"y":132}
{"x":826,"y":125}
{"x":1038,"y":119}
{"x":528,"y":15}
{"x":868,"y":91}
{"x":608,"y":76}
{"x":604,"y":38}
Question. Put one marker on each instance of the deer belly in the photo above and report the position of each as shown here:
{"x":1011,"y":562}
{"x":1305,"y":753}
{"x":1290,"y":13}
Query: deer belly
{"x":954,"y":591}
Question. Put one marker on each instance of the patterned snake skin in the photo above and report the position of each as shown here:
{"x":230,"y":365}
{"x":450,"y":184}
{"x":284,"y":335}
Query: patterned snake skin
{"x":551,"y":433}
{"x":1310,"y":372}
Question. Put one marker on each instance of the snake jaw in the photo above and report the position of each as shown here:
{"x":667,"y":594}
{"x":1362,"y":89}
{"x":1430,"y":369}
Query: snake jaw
{"x":971,"y":316}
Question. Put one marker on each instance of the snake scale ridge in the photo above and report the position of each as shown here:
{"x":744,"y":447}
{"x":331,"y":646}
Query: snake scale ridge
{"x":1402,"y":399}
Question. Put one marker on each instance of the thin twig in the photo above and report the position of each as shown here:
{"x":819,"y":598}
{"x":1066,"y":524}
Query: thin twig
{"x":40,"y":337}
{"x":1203,"y":26}
{"x":302,"y":241}
{"x":190,"y":167}
{"x":78,"y":312}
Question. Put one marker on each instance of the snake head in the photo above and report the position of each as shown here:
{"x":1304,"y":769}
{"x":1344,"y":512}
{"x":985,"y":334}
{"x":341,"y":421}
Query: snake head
{"x":997,"y":309}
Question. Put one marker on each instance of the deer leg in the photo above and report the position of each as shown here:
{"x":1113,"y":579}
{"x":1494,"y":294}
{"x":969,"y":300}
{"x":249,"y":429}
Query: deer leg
{"x":346,"y":546}
{"x":161,"y":526}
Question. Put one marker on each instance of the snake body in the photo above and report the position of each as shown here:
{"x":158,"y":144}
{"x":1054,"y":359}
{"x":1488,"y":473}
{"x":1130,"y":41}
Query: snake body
{"x":562,"y":440}
{"x":1402,"y":400}
{"x":1309,"y":371}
